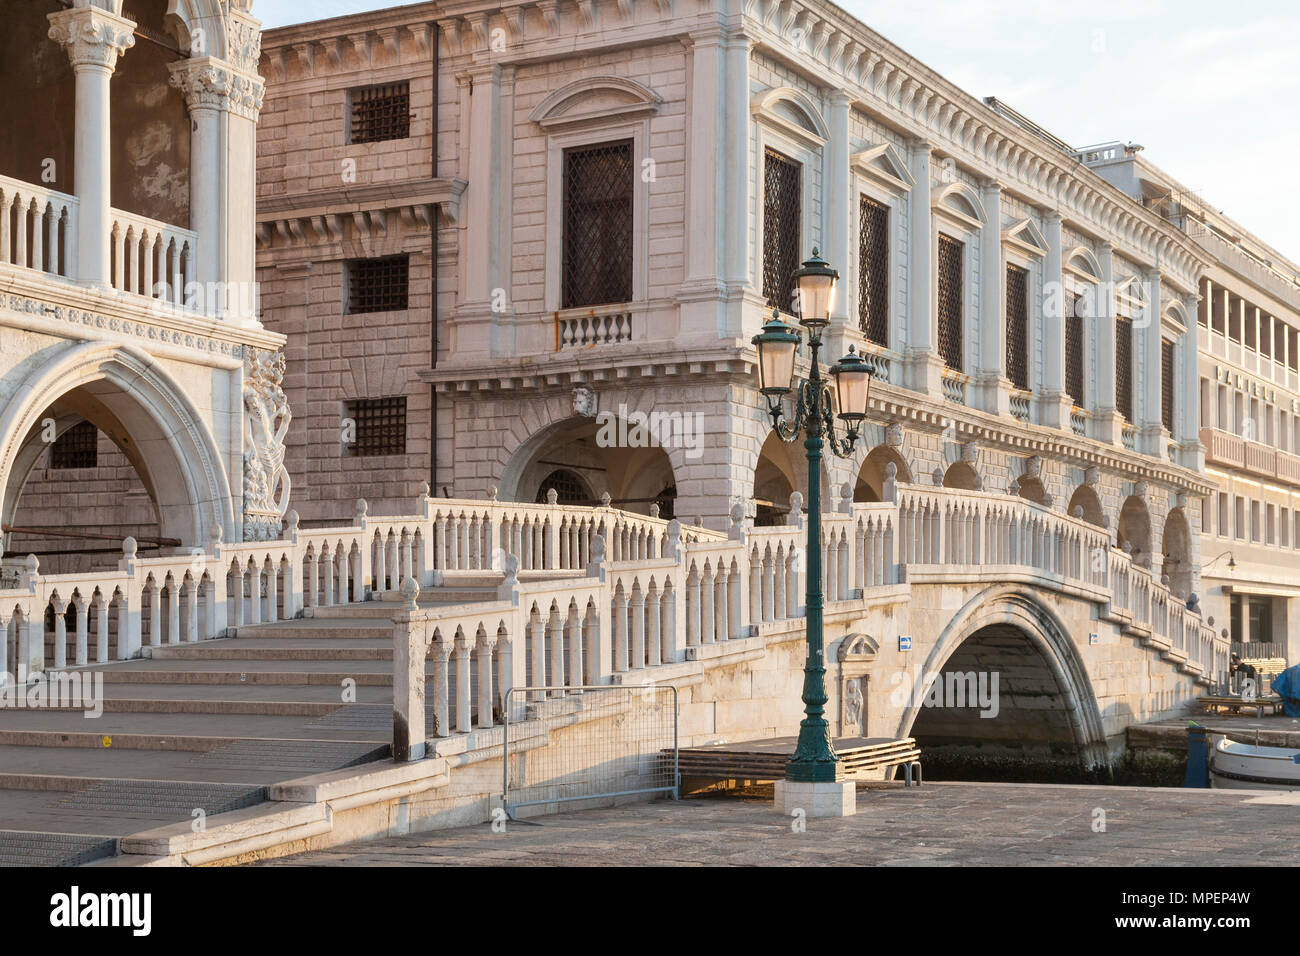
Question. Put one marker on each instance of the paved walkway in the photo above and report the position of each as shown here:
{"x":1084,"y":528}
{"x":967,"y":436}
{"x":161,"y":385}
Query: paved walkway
{"x":940,"y":824}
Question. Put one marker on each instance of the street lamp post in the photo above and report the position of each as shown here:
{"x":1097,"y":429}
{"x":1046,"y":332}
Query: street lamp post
{"x":814,"y":759}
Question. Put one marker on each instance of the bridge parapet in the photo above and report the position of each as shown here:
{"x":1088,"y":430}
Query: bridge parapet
{"x":592,"y":595}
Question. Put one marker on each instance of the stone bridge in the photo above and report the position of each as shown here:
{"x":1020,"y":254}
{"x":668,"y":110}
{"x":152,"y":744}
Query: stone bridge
{"x":959,"y":617}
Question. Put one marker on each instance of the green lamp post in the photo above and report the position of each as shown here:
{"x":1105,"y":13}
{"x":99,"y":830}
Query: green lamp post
{"x":814,"y":413}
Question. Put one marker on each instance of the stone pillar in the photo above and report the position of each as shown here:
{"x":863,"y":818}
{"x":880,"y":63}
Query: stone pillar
{"x":702,"y":295}
{"x":1147,"y":376}
{"x":922,"y":360}
{"x":94,"y":38}
{"x":225,"y":99}
{"x":1107,"y":421}
{"x":480,"y":318}
{"x":60,"y":633}
{"x":994,"y":384}
{"x":1187,"y":398}
{"x":837,"y":195}
{"x":1055,"y":404}
{"x":736,"y":163}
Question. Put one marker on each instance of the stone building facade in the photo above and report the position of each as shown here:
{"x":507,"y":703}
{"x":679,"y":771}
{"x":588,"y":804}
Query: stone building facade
{"x":1039,"y":327}
{"x":618,"y":193}
{"x":1248,"y":396}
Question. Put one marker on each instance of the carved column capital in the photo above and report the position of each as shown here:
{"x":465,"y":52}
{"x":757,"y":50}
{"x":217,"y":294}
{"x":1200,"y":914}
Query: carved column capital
{"x":209,"y":83}
{"x":91,"y":36}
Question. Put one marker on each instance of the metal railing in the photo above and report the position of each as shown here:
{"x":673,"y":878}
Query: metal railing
{"x":626,"y":744}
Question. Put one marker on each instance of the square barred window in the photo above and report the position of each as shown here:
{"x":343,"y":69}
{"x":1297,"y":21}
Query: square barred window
{"x":782,"y":205}
{"x":1018,"y":326}
{"x":597,"y":264}
{"x":873,"y":270}
{"x":78,"y":447}
{"x":380,"y":426}
{"x":378,"y":285}
{"x":380,"y":113}
{"x":1167,"y":384}
{"x":950,"y":275}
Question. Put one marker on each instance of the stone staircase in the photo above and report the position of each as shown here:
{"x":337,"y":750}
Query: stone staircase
{"x":205,"y":726}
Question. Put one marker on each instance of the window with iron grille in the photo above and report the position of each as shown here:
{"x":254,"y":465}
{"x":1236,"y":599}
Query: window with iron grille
{"x":597,"y":266}
{"x":873,"y":270}
{"x":569,"y":489}
{"x":380,"y":112}
{"x":1124,"y":367}
{"x":378,"y":285}
{"x":1167,"y":384}
{"x":1073,"y":349}
{"x":950,"y":274}
{"x":782,"y":203}
{"x":78,"y":447}
{"x":380,"y":426}
{"x":1018,"y":326}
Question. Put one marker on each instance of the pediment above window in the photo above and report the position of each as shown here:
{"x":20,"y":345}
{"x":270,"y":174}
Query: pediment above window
{"x":1174,"y":320}
{"x":793,"y":112}
{"x":1130,"y":297}
{"x":1025,"y":236}
{"x":595,"y":99}
{"x":960,"y":202}
{"x":1081,"y":261}
{"x":883,"y":164}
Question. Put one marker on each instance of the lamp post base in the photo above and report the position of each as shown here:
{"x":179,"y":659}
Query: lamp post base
{"x":837,"y":799}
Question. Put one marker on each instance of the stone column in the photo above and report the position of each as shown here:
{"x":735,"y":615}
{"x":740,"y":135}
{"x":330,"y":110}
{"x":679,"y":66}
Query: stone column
{"x":736,"y":163}
{"x":994,"y":384}
{"x":1147,"y":375}
{"x":924,"y":366}
{"x":702,"y":295}
{"x":1107,"y":421}
{"x":836,"y":201}
{"x":225,"y":100}
{"x":1187,"y":398}
{"x":94,"y":38}
{"x":1055,"y":404}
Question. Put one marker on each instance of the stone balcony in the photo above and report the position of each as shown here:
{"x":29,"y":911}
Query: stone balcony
{"x":1232,"y":451}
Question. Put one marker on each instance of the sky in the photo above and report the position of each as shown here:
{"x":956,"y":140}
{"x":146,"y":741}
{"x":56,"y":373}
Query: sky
{"x":1210,"y":89}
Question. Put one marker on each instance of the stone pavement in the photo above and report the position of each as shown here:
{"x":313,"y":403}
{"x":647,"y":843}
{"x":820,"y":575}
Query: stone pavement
{"x":947,"y":824}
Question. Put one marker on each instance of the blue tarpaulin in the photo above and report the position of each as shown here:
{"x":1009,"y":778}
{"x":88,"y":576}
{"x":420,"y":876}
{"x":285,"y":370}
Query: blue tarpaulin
{"x":1287,"y":686}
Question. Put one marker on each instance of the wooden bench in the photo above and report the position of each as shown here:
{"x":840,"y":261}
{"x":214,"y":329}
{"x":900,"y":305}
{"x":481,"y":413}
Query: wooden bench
{"x":766,"y":759}
{"x":1235,"y":705}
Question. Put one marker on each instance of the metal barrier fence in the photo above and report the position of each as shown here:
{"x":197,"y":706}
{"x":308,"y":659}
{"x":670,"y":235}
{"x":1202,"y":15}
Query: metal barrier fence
{"x":624,"y":743}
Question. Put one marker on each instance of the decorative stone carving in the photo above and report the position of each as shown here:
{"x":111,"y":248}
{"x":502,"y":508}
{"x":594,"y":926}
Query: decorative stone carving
{"x":266,"y":421}
{"x":970,"y":452}
{"x":584,"y":401}
{"x":856,"y":656}
{"x":92,"y":36}
{"x":894,"y":435}
{"x":1092,"y":476}
{"x":937,"y":477}
{"x":1033,"y":467}
{"x":211,"y":84}
{"x":243,"y":43}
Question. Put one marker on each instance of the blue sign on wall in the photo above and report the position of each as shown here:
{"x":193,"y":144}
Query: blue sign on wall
{"x":905,"y":642}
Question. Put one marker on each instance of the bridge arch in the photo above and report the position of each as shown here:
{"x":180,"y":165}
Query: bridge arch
{"x":124,"y":393}
{"x":997,"y":626}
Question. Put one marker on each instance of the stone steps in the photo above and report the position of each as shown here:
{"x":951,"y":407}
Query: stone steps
{"x":203,"y":725}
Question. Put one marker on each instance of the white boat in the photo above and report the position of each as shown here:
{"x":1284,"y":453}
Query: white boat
{"x":1238,"y":766}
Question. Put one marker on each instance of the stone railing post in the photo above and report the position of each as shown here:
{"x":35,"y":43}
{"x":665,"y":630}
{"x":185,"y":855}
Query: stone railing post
{"x":129,"y":637}
{"x":409,"y":649}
